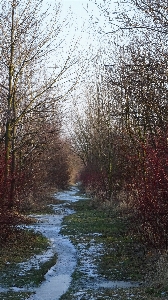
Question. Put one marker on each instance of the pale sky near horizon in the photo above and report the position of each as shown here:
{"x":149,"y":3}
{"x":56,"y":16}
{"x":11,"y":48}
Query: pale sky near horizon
{"x":86,"y":20}
{"x":88,"y":24}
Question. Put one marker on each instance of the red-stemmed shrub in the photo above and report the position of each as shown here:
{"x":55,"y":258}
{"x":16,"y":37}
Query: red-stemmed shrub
{"x":150,"y":186}
{"x":94,"y":181}
{"x":7,"y":199}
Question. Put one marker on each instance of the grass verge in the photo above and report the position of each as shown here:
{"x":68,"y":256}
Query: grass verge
{"x":21,"y":246}
{"x":15,"y":296}
{"x":122,"y":257}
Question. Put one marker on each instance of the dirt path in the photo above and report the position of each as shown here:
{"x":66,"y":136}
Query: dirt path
{"x":58,"y":278}
{"x":75,"y":273}
{"x":81,"y":260}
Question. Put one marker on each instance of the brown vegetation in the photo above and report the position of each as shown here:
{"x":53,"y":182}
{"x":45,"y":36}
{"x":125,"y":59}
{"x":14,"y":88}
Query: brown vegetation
{"x":122,"y":136}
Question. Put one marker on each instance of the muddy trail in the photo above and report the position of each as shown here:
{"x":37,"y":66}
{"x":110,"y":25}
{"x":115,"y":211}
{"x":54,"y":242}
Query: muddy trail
{"x":71,"y":260}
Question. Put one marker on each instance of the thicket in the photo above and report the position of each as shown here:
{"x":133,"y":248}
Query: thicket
{"x":33,"y":155}
{"x":122,"y":137}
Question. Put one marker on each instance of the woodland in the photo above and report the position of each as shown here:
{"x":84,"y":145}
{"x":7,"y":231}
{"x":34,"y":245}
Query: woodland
{"x":118,"y":146}
{"x":122,"y":136}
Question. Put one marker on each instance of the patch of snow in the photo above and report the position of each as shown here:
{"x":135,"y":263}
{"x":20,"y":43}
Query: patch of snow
{"x":117,"y":284}
{"x":88,"y":254}
{"x":35,"y":261}
{"x":58,"y":278}
{"x":70,"y":195}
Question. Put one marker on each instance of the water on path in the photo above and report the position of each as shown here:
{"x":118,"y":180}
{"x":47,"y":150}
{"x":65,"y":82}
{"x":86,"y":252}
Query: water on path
{"x":58,"y":278}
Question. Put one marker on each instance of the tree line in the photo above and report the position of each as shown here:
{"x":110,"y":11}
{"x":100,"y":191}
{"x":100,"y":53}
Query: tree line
{"x":122,"y":134}
{"x":32,"y":151}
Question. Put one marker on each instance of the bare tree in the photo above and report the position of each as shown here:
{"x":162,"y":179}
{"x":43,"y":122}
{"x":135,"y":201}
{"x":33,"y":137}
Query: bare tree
{"x":97,"y":140}
{"x":29,"y":84}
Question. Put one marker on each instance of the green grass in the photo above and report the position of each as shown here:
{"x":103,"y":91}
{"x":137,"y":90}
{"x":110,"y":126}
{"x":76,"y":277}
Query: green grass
{"x":15,"y":276}
{"x":20,"y":246}
{"x":15,"y":295}
{"x":123,"y":257}
{"x":119,"y":262}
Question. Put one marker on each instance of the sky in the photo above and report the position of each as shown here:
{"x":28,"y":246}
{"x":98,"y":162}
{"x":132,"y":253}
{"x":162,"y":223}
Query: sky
{"x":81,"y":16}
{"x":85,"y":18}
{"x":88,"y":28}
{"x":87,"y":22}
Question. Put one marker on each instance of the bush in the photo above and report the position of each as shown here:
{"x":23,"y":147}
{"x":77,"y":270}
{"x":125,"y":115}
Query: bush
{"x":151,"y":189}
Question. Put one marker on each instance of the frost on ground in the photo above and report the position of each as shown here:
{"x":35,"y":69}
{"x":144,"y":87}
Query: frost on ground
{"x":58,"y":277}
{"x":87,"y":283}
{"x":35,"y":262}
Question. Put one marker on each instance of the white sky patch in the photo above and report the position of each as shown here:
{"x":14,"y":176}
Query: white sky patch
{"x":85,"y":38}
